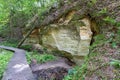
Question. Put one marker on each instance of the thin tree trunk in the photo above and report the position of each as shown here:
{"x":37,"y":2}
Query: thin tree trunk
{"x":29,"y":32}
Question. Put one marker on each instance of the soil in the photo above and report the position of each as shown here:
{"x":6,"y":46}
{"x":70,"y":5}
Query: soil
{"x":56,"y":73}
{"x":52,"y":70}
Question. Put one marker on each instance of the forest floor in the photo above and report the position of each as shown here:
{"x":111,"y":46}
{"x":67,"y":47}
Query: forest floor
{"x":105,"y":66}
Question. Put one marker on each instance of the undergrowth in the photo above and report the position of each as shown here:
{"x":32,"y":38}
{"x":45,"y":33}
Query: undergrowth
{"x":11,"y":43}
{"x":4,"y":59}
{"x":78,"y":72}
{"x":40,"y":58}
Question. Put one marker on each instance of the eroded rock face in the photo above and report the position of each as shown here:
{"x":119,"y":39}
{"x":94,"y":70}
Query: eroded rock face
{"x":75,"y":41}
{"x":71,"y":38}
{"x":61,"y":39}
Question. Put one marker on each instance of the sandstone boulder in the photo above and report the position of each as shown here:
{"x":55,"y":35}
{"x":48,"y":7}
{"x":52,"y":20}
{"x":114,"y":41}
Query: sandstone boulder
{"x":70,"y":40}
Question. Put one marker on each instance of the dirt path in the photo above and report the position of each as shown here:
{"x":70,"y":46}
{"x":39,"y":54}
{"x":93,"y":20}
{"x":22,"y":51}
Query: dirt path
{"x":17,"y":68}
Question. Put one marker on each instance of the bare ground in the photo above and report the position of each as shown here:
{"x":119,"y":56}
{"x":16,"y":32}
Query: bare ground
{"x":52,"y":70}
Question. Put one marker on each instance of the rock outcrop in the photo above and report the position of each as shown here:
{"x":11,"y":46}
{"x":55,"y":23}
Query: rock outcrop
{"x":73,"y":40}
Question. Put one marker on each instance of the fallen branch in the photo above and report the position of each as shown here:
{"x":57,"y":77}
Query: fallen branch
{"x":29,"y":32}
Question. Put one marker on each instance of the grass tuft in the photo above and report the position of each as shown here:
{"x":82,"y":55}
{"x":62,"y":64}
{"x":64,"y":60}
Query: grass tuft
{"x":40,"y":58}
{"x":4,"y":59}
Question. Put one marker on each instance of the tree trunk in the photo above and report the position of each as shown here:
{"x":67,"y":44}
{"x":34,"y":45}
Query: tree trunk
{"x":29,"y":32}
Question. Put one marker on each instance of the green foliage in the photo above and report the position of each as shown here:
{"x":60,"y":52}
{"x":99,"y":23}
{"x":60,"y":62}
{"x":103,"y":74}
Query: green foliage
{"x":71,"y":72}
{"x":99,"y":40}
{"x":16,"y":13}
{"x":110,"y":20}
{"x":41,"y":58}
{"x":115,"y":63}
{"x":12,"y":43}
{"x":3,"y":11}
{"x":27,"y":47}
{"x":4,"y":30}
{"x":79,"y":72}
{"x":114,"y":45}
{"x":4,"y":59}
{"x":25,"y":6}
{"x":103,"y":11}
{"x":91,"y":3}
{"x":118,"y":24}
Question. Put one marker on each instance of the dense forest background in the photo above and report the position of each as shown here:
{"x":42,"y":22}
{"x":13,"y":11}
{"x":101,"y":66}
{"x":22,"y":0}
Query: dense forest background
{"x":16,"y":14}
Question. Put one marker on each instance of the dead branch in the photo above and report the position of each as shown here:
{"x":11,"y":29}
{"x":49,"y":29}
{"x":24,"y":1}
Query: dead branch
{"x":29,"y":32}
